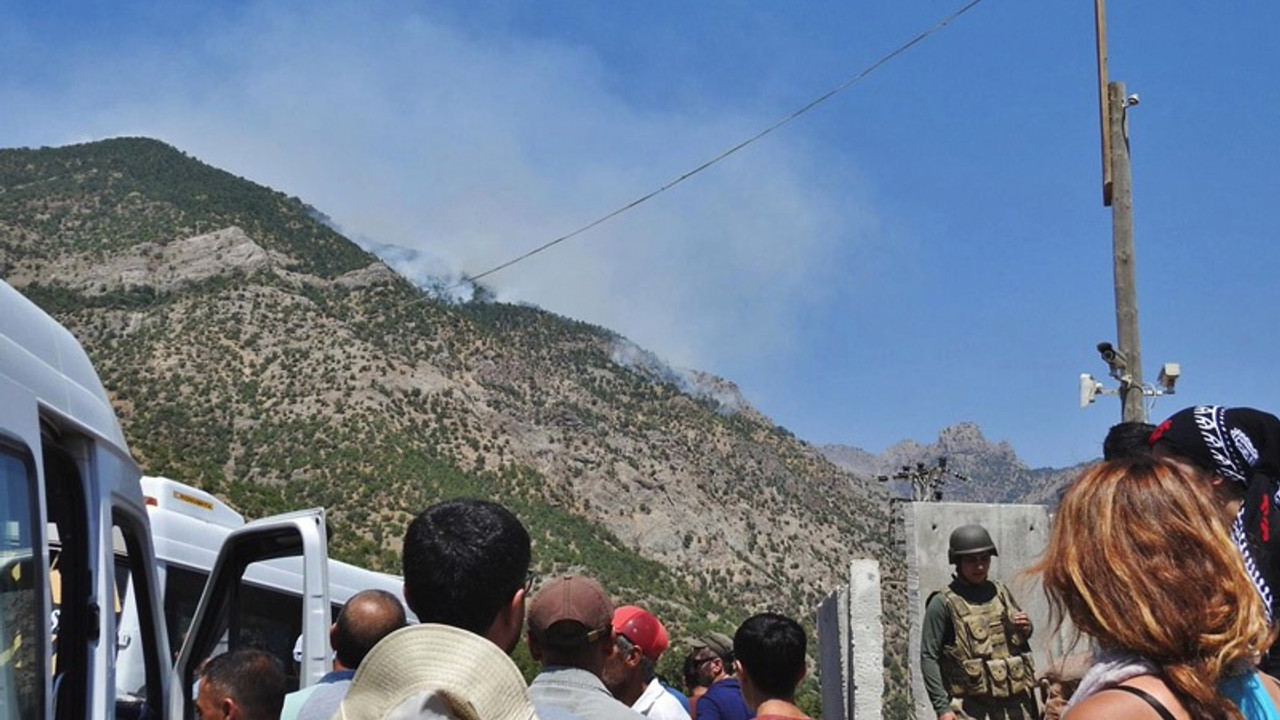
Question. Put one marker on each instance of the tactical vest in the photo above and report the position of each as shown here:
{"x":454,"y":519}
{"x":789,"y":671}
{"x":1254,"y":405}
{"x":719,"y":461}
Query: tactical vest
{"x":990,"y":657}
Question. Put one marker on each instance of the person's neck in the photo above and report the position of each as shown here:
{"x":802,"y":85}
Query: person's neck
{"x":631,"y":692}
{"x":780,"y":708}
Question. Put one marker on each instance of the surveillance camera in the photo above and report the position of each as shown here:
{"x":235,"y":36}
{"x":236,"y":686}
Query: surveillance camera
{"x":1168,"y":378}
{"x":1133,"y":100}
{"x":1111,"y":356}
{"x":1089,"y":389}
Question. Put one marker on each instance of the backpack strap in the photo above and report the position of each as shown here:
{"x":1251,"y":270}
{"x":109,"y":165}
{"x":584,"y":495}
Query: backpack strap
{"x":1148,"y":698}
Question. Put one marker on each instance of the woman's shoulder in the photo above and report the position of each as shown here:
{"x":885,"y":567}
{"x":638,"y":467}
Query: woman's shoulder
{"x":1251,"y":701}
{"x":1114,"y":702}
{"x":1271,"y":684}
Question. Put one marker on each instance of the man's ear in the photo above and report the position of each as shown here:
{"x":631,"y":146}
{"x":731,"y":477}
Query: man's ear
{"x":507,"y":626}
{"x":229,"y":708}
{"x":804,"y":670}
{"x":635,"y":657}
{"x":514,"y":612}
{"x":747,"y":685}
{"x":535,"y":650}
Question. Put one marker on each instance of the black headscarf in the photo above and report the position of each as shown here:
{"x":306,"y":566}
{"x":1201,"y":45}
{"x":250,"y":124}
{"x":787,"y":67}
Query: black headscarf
{"x":1242,"y":445}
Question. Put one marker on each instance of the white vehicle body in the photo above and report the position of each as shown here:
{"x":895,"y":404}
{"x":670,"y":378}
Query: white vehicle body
{"x":65,"y":470}
{"x":188,"y":528}
{"x":74,"y":526}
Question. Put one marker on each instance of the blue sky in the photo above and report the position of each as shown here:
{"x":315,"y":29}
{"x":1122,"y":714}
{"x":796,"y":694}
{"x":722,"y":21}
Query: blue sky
{"x":929,"y":247}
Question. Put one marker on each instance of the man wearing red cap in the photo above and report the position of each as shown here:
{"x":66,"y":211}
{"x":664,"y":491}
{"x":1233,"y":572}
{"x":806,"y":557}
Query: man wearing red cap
{"x":631,"y":672}
{"x":571,"y":634}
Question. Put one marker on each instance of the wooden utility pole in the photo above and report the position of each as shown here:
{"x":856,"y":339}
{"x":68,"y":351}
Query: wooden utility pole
{"x":1117,"y":191}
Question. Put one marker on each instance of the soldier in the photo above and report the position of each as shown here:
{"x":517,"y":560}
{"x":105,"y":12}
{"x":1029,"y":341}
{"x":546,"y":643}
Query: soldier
{"x":974,"y":652}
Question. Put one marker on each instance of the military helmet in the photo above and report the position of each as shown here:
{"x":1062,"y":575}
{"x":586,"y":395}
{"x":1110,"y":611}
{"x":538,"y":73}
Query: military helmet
{"x":969,"y":540}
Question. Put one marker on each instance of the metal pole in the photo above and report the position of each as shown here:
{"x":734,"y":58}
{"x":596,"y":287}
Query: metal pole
{"x":1133,"y":407}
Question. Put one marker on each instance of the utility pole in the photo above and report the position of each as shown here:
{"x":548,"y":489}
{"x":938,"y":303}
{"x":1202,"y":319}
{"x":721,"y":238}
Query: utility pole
{"x":1117,"y":192}
{"x":926,"y":482}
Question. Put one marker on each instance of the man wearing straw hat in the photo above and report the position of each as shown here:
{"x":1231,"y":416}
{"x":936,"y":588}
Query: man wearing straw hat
{"x":466,"y":565}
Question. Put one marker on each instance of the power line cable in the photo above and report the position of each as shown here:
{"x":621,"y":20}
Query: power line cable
{"x":749,"y":141}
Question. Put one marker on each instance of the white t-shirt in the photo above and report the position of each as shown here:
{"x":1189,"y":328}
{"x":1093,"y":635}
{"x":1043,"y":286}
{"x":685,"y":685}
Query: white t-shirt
{"x":655,"y":702}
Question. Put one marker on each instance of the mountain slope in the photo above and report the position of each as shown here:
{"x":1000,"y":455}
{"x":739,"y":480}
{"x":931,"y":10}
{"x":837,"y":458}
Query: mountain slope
{"x":253,"y":351}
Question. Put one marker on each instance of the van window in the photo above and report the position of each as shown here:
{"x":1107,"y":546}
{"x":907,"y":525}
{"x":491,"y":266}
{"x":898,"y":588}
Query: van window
{"x":138,"y":661}
{"x":23,"y":666}
{"x":182,"y":588}
{"x":262,"y":618}
{"x":269,"y":620}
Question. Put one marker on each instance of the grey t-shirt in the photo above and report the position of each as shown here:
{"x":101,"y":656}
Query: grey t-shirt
{"x":560,"y":691}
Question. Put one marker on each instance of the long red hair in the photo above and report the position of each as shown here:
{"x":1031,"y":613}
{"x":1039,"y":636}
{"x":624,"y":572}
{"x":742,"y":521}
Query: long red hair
{"x":1140,"y":559}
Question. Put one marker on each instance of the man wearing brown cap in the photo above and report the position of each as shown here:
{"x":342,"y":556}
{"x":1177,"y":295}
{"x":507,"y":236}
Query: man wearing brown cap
{"x":631,"y":672}
{"x":571,"y":634}
{"x":713,"y":654}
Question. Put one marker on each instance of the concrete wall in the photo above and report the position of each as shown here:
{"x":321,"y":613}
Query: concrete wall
{"x":866,"y":634}
{"x":1020,"y":532}
{"x":833,"y":655}
{"x":851,"y":647}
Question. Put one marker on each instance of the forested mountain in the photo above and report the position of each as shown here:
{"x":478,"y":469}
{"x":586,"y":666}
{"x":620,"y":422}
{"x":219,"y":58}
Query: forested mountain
{"x":251,"y":350}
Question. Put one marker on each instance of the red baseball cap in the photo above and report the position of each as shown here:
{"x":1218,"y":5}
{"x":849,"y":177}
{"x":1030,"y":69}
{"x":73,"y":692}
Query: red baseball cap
{"x":643,"y":629}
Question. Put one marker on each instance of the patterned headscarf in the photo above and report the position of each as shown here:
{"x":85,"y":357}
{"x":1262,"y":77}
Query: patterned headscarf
{"x":1241,"y":445}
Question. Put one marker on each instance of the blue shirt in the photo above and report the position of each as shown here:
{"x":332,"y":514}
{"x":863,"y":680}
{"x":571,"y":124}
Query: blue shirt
{"x":1250,"y":695}
{"x":723,"y":701}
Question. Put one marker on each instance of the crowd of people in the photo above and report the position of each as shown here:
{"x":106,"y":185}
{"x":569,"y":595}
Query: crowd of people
{"x":1162,"y":558}
{"x":467,"y":578}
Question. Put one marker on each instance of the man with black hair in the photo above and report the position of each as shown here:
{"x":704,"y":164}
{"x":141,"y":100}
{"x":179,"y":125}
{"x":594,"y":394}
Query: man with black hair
{"x":241,"y":685}
{"x":368,"y":616}
{"x":571,"y":634}
{"x":1127,"y":439}
{"x":713,"y":654}
{"x":466,"y":574}
{"x":465,"y":565}
{"x":769,"y":653}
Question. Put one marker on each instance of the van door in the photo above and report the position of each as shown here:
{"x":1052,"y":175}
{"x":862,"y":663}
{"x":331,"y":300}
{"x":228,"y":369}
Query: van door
{"x":221,"y":621}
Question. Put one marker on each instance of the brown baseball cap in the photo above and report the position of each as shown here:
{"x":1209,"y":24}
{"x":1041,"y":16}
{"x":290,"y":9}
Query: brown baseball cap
{"x":570,"y":610}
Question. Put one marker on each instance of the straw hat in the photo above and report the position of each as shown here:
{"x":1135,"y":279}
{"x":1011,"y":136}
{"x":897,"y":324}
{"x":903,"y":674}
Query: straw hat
{"x":434,"y":670}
